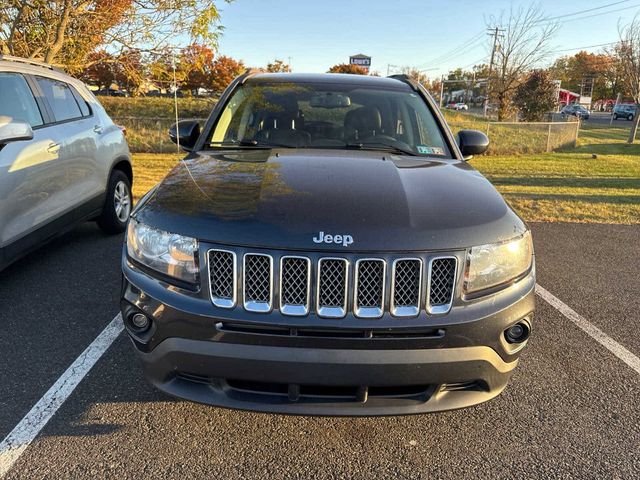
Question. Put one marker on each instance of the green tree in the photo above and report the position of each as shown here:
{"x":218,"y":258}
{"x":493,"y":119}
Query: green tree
{"x":601,"y":67}
{"x":536,"y":96}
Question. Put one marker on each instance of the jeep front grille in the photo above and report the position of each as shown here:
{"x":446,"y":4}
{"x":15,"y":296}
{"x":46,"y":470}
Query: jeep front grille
{"x":295,"y":276}
{"x":332,"y":287}
{"x":326,"y":286}
{"x":440,"y":285}
{"x":406,"y":287}
{"x":222,"y":278}
{"x":258,"y":282}
{"x":369,"y":288}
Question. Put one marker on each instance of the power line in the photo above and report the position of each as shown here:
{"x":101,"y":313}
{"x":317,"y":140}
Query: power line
{"x":586,"y":46}
{"x":547,"y":21}
{"x":584,"y":11}
{"x":474,"y":63}
{"x":448,"y":54}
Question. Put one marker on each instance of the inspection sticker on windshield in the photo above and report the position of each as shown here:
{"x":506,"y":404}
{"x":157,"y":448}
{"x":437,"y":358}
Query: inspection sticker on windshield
{"x":425,"y":150}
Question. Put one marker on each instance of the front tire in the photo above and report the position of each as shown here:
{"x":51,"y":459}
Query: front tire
{"x":117,"y":205}
{"x":615,"y":116}
{"x":631,"y":118}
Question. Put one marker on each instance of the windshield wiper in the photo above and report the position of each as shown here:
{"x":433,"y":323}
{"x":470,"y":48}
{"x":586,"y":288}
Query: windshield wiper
{"x":249,"y":143}
{"x":380,"y":146}
{"x":237,"y":143}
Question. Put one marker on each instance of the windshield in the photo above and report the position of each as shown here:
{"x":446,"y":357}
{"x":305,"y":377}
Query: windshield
{"x":339,"y":116}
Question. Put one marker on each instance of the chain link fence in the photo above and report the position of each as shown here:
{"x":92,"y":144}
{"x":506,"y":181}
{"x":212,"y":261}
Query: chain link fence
{"x":150,"y":135}
{"x":509,"y":138}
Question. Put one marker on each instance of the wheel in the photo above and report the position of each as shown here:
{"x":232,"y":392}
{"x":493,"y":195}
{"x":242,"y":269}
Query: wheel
{"x":615,"y":116}
{"x":631,"y":117}
{"x":117,"y":205}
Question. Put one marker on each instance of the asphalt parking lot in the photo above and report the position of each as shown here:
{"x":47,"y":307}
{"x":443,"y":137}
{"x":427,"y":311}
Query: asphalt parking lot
{"x":571,"y":410}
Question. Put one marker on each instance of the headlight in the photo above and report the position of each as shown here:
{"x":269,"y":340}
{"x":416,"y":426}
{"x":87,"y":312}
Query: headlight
{"x":497,"y":263}
{"x":167,"y":253}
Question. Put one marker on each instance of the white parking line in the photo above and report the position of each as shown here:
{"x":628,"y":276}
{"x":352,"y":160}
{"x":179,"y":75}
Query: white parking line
{"x":590,"y":329}
{"x":14,"y":445}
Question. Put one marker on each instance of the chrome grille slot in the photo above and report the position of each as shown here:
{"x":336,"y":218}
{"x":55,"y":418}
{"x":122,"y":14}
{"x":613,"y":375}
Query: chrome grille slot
{"x":295,"y":278}
{"x":257,"y":282}
{"x":369,"y":288}
{"x":406,"y":287}
{"x":222,"y":278}
{"x":332,"y":287}
{"x":440,"y":286}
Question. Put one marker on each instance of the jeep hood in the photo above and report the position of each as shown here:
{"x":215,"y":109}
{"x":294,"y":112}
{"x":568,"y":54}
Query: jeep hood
{"x":283,"y":198}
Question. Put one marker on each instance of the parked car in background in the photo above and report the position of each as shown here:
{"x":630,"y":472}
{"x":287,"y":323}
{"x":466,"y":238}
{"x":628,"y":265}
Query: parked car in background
{"x":111,"y":92}
{"x":576,"y":111}
{"x":625,"y":111}
{"x":457,"y":106}
{"x":325,"y":248}
{"x":62,"y":159}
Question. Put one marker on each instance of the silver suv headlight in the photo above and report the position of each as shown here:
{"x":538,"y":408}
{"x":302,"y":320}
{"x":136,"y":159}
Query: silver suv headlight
{"x":496,"y":264}
{"x":168,"y":253}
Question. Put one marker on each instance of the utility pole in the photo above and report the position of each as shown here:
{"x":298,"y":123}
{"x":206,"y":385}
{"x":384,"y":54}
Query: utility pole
{"x":441,"y":90}
{"x":495,"y":32}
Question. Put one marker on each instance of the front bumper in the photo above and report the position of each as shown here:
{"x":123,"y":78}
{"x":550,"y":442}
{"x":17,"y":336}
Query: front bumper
{"x":326,"y":381}
{"x":423,"y":365}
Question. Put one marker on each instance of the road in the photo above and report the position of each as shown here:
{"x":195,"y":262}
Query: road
{"x":603,"y":118}
{"x":570,"y":411}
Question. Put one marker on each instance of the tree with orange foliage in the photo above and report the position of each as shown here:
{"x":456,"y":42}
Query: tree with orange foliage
{"x":224,"y":70}
{"x":65,"y":32}
{"x":197,"y":65}
{"x":347,"y":68}
{"x":278,"y":66}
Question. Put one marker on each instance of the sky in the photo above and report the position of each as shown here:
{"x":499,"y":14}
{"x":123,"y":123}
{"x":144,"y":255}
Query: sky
{"x":433,"y":35}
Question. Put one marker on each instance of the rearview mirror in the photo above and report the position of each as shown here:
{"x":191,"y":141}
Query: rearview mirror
{"x":472,"y":142}
{"x":185,"y":133}
{"x":330,"y":100}
{"x":14,"y":131}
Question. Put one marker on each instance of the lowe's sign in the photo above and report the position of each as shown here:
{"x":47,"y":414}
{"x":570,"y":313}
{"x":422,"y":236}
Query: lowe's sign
{"x":360,"y":60}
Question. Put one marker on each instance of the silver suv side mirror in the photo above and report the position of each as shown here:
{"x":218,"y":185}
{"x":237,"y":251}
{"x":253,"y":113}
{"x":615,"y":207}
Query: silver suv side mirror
{"x":14,"y":131}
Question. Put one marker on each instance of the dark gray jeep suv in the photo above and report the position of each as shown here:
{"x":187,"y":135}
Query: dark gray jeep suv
{"x":326,"y":249}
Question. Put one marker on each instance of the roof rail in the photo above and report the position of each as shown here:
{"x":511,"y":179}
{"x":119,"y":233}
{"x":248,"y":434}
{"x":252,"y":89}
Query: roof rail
{"x":249,"y":72}
{"x":405,"y":79}
{"x":28,"y":61}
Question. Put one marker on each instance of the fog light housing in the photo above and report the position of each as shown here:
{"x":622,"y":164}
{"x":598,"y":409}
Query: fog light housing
{"x":140,"y":321}
{"x":517,"y":333}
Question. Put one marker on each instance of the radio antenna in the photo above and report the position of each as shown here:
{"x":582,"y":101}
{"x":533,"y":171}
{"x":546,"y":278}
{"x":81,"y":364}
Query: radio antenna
{"x":175,"y":98}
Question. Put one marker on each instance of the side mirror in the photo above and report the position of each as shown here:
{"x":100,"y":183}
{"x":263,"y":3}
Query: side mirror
{"x":14,"y":131}
{"x":472,"y":142}
{"x":187,"y":132}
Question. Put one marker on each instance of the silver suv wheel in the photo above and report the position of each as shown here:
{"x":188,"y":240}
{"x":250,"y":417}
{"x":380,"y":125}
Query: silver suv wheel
{"x":122,"y":201}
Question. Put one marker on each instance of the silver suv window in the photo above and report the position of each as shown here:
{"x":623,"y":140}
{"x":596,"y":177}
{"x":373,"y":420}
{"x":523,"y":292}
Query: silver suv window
{"x":60,"y":98}
{"x":17,"y":100}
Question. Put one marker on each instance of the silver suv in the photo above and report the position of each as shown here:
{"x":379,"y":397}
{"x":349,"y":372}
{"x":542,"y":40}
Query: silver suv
{"x":62,"y":159}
